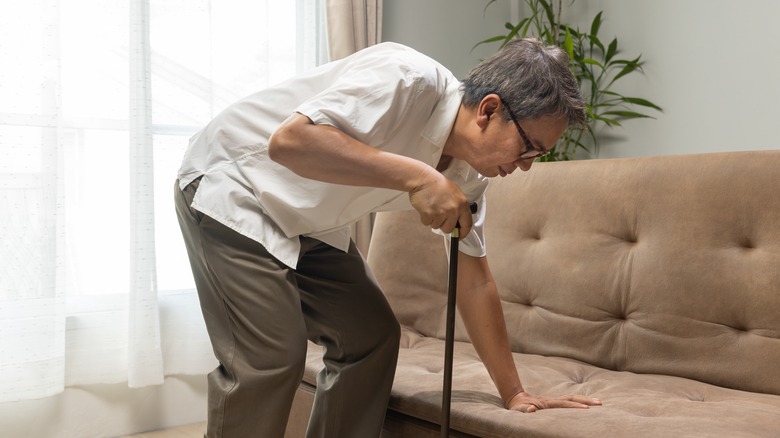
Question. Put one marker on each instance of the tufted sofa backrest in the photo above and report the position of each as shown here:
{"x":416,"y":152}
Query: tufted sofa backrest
{"x":667,"y":265}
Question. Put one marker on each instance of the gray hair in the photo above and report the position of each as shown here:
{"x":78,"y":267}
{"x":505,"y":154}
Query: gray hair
{"x":532,"y":78}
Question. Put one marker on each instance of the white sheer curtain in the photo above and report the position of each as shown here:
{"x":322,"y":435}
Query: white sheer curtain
{"x":97,"y":101}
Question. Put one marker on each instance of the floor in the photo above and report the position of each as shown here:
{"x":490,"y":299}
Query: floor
{"x":188,"y":431}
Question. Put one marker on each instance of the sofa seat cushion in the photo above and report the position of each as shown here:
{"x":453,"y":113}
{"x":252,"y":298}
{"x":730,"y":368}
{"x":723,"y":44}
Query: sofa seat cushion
{"x":635,"y":405}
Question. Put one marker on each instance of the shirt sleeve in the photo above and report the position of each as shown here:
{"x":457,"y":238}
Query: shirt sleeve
{"x":474,"y":243}
{"x":474,"y":186}
{"x":370,"y":98}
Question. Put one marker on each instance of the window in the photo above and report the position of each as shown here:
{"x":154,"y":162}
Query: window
{"x":97,"y":101}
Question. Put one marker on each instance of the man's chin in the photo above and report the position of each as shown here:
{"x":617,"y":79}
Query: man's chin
{"x":492,"y":172}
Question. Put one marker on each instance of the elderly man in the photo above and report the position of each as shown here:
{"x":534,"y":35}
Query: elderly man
{"x":267,"y":192}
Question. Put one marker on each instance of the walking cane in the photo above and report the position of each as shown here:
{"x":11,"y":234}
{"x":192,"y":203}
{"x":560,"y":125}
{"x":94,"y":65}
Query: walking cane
{"x":449,"y":339}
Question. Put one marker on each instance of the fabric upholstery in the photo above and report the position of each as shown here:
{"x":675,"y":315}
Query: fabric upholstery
{"x":651,"y":283}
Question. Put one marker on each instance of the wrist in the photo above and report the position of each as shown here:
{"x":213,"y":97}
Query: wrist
{"x":422,"y":178}
{"x":521,"y":393}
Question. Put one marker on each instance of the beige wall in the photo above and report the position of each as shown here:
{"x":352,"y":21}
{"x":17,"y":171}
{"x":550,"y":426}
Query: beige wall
{"x":712,"y":64}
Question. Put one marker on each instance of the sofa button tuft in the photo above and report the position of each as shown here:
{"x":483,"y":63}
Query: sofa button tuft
{"x":620,"y":317}
{"x":578,"y":379}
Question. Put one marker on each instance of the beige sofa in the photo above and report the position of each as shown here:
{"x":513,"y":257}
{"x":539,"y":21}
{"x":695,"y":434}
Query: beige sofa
{"x":650,"y":283}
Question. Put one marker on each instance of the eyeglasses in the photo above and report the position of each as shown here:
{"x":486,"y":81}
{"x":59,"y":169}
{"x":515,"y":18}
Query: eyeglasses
{"x":530,"y":151}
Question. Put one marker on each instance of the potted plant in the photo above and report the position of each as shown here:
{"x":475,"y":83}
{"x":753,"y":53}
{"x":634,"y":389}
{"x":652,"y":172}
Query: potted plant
{"x":596,"y":65}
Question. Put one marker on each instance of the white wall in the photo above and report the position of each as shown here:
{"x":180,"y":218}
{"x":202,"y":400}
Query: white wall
{"x":711,"y":64}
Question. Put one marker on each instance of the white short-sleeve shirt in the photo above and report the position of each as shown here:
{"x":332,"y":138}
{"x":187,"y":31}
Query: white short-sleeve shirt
{"x":387,"y":96}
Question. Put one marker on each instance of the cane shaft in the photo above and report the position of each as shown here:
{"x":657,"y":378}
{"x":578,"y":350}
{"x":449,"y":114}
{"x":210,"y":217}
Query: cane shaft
{"x":449,"y":340}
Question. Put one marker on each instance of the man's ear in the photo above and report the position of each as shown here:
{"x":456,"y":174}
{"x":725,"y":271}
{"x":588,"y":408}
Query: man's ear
{"x":487,"y":107}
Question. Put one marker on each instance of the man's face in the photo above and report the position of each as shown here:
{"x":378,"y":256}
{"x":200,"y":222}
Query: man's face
{"x":501,"y":148}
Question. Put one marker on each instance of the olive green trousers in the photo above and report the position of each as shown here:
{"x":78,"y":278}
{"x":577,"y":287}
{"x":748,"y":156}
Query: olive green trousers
{"x":259,"y":314}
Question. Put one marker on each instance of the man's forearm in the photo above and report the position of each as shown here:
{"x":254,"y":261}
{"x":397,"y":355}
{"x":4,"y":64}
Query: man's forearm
{"x":480,"y":307}
{"x":324,"y":153}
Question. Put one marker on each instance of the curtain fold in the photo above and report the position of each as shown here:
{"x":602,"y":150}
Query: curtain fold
{"x":353,"y":25}
{"x":144,"y":361}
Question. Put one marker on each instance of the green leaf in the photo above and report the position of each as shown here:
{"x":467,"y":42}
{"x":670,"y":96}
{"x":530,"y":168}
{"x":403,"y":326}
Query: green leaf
{"x":574,"y":32}
{"x":548,"y":10}
{"x":627,"y":114}
{"x":611,"y":51}
{"x":514,"y":31}
{"x":629,"y":67}
{"x":641,"y":102}
{"x":627,"y":62}
{"x":569,"y":43}
{"x":610,"y":103}
{"x":592,"y":61}
{"x":489,"y":40}
{"x":609,"y":122}
{"x":594,"y":27}
{"x":548,"y":37}
{"x":595,"y":41}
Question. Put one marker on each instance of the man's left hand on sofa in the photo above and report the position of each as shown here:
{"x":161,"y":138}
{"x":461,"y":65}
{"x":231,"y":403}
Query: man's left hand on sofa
{"x":525,"y":402}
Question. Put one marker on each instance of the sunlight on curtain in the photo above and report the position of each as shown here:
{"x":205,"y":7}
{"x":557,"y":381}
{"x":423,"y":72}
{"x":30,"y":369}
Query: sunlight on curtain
{"x":97,"y":101}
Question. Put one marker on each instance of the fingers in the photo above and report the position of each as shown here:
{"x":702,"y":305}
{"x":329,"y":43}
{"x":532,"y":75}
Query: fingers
{"x":466,"y":221}
{"x":447,"y":222}
{"x":567,"y":404}
{"x":527,"y":408}
{"x":442,"y":205}
{"x":573,"y":401}
{"x":583,"y":399}
{"x":576,"y":401}
{"x":549,"y":404}
{"x":530,"y":404}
